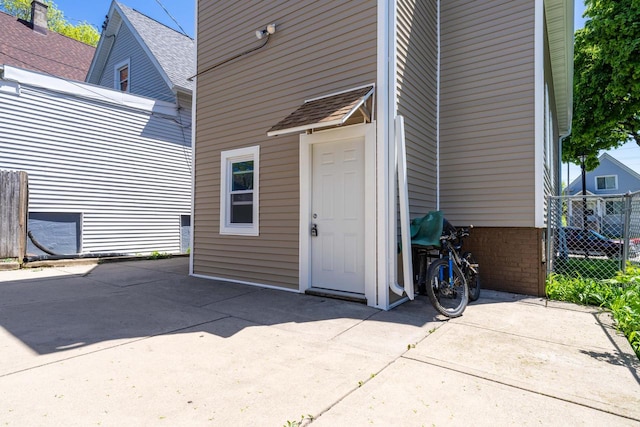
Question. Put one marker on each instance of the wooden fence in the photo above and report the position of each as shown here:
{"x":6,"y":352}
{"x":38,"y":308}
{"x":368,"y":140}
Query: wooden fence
{"x":14,"y":203}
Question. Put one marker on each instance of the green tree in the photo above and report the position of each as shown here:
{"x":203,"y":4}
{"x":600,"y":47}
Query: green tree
{"x":56,"y":21}
{"x":606,"y":97}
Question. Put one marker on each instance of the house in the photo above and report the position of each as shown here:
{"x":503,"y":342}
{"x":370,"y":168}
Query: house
{"x":298,"y":126}
{"x":611,"y":176}
{"x":604,"y":205}
{"x":139,"y":55}
{"x":109,"y":159}
{"x":31,"y":45}
{"x":108,"y":172}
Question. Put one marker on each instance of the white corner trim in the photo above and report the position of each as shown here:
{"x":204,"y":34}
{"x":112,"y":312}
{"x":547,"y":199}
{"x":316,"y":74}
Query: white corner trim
{"x":194,"y":124}
{"x":384,"y":134}
{"x":539,"y":114}
{"x":88,"y":91}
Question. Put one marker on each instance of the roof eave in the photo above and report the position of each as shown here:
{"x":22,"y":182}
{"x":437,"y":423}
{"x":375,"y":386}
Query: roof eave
{"x":102,"y":50}
{"x":559,"y":20}
{"x":145,"y":47}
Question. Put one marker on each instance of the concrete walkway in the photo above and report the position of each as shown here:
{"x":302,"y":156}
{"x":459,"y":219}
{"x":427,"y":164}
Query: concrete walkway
{"x":143,"y":344}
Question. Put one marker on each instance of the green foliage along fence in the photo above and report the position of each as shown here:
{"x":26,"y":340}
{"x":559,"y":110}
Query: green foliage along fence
{"x":14,"y":200}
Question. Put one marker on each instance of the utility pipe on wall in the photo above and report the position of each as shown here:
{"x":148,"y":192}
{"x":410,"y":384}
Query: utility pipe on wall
{"x":438,"y":105}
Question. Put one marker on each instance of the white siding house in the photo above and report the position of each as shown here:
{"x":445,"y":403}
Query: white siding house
{"x":118,"y":164}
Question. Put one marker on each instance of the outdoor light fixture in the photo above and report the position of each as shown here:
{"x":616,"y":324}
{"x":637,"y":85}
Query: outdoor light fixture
{"x":270,"y":29}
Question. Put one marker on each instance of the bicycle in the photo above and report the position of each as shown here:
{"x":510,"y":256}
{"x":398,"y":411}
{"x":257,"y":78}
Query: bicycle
{"x":468,"y":264}
{"x":446,"y":284}
{"x":453,"y":279}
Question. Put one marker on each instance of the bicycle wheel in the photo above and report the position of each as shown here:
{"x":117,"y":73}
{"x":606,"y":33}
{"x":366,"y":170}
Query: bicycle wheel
{"x":448,"y":296}
{"x":472,"y":275}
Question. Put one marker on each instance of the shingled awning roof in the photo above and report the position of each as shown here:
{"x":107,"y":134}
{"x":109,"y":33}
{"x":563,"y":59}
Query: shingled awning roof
{"x":326,"y":111}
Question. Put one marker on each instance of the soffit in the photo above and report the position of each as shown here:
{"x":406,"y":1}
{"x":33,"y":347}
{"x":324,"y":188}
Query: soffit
{"x":559,"y":20}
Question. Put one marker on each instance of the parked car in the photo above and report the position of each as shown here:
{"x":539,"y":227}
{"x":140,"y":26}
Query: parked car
{"x":634,"y":248}
{"x":589,"y":242}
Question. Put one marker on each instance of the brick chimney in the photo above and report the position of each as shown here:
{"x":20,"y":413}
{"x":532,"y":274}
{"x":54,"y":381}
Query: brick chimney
{"x":39,"y":16}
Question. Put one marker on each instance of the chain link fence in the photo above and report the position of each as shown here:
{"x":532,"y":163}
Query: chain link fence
{"x":593,"y":236}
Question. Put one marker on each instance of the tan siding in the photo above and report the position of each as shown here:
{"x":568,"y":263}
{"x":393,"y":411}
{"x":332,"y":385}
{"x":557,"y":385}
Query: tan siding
{"x":320,"y":47}
{"x":416,"y":85}
{"x":487,"y":112}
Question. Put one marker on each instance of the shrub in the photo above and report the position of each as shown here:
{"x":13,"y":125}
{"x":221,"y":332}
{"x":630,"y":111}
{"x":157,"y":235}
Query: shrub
{"x":621,"y":295}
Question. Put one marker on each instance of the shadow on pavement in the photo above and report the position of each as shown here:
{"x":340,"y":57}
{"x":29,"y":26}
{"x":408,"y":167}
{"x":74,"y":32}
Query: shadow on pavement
{"x":118,"y":302}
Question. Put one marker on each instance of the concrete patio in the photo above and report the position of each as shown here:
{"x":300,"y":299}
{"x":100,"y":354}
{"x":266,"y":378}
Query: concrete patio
{"x":142,"y":343}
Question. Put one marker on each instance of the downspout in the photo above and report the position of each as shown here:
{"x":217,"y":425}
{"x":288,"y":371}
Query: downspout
{"x":392,"y":156}
{"x":403,"y":199}
{"x":438,"y":42}
{"x":560,"y":140}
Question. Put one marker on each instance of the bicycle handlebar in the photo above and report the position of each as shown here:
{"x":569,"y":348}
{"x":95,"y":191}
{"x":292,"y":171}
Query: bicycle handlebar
{"x":461,"y":232}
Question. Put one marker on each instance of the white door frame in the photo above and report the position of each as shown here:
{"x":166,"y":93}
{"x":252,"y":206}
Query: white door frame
{"x":368,"y":131}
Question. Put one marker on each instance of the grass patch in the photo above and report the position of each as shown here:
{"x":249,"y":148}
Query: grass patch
{"x":159,"y":255}
{"x":619,"y":294}
{"x":593,"y":268}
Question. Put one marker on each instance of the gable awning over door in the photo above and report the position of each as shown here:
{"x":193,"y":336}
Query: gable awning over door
{"x":326,"y":111}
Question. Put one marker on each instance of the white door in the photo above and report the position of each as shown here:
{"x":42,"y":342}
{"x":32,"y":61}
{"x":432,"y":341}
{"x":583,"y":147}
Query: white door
{"x":337,"y":216}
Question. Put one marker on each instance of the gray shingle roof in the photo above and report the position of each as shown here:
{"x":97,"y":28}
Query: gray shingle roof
{"x":175,"y":52}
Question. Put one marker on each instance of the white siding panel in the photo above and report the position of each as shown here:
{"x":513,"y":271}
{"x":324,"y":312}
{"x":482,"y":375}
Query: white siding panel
{"x":127,"y":172}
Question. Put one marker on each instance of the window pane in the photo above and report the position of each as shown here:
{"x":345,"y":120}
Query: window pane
{"x":123,"y":74}
{"x":613,"y":208}
{"x":606,"y":182}
{"x":242,"y":173}
{"x":241,"y":208}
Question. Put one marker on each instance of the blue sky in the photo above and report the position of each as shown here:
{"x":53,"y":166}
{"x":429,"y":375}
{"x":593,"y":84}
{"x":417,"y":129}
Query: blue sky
{"x":94,"y":11}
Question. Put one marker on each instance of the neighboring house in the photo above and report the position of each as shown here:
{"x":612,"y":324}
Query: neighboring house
{"x":108,"y":172}
{"x":309,"y":201}
{"x":139,"y":55}
{"x":109,"y":161}
{"x":30,"y":45}
{"x":611,"y":176}
{"x":609,"y":180}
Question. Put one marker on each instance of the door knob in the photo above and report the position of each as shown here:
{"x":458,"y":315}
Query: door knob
{"x":314,"y":230}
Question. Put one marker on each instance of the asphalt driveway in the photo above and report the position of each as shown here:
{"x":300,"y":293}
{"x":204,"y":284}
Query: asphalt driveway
{"x":142,"y":343}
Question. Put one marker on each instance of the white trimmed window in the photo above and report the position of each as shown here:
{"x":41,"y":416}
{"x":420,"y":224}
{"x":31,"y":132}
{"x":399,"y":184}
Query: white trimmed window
{"x":121,"y":76}
{"x":239,"y":191}
{"x":607,"y":182}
